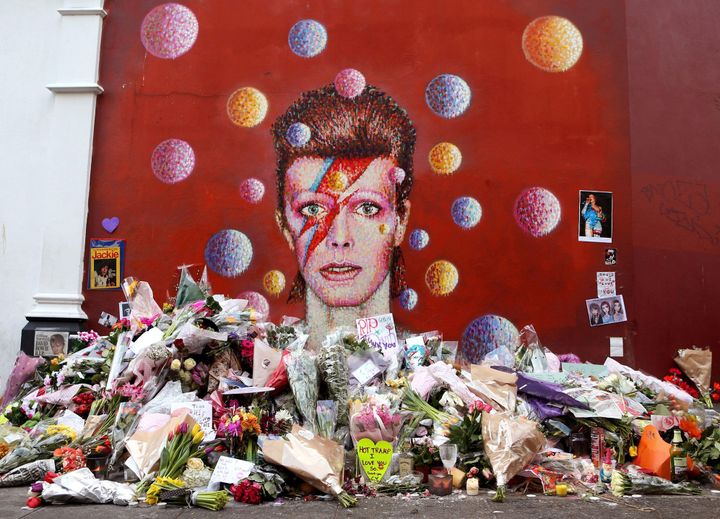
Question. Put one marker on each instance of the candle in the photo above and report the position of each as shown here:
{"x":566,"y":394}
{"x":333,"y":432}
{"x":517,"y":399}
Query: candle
{"x":440,"y":484}
{"x":561,"y":489}
{"x":472,"y":487}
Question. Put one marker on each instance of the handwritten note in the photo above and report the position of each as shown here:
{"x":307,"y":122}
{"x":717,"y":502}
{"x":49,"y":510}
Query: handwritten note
{"x":229,"y":470}
{"x":606,"y":284}
{"x":201,"y":411}
{"x":366,"y":372}
{"x":374,"y":457}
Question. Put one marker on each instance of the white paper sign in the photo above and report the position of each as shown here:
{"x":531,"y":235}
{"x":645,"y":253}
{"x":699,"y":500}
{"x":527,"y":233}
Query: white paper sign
{"x":229,"y":470}
{"x":75,"y":422}
{"x":201,"y":411}
{"x":616,"y":347}
{"x":365,"y":372}
{"x":379,"y":331}
{"x":606,"y":284}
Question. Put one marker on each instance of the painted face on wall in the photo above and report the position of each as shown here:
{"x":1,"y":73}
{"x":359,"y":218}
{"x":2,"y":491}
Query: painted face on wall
{"x":342,"y":224}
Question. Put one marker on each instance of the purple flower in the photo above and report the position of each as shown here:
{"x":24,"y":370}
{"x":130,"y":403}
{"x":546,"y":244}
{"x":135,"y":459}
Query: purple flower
{"x":36,"y":487}
{"x":183,"y":428}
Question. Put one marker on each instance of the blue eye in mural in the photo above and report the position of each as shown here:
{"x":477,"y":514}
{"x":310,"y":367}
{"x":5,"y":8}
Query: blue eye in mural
{"x":307,"y":38}
{"x":169,"y":31}
{"x":448,"y":96}
{"x":466,"y":212}
{"x":537,"y":211}
{"x":485,"y":334}
{"x":228,"y":253}
{"x":419,"y":239}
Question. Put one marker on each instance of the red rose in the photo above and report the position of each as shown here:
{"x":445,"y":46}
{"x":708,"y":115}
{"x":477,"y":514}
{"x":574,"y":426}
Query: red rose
{"x":33,"y":502}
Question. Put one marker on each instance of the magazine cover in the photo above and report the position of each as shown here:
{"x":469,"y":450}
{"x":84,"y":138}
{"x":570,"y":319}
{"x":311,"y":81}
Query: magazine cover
{"x":106,"y":264}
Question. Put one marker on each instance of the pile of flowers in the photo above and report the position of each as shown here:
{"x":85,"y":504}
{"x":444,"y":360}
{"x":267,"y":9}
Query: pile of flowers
{"x":176,"y":390}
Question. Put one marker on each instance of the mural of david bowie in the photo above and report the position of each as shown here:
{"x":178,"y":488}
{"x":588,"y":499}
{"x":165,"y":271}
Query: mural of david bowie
{"x":343,"y":205}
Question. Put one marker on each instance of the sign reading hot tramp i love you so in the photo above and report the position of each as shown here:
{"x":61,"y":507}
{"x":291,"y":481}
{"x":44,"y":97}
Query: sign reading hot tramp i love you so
{"x":374,"y":457}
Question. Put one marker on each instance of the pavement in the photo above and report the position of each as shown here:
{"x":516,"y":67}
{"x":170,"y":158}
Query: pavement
{"x":705,"y":506}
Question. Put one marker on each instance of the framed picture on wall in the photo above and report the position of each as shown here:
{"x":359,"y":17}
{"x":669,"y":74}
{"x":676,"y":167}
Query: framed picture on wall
{"x":50,"y":343}
{"x":595,"y":217}
{"x":106,"y":264}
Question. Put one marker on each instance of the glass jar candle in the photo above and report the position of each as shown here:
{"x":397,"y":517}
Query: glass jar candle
{"x":441,"y":484}
{"x":472,"y":487}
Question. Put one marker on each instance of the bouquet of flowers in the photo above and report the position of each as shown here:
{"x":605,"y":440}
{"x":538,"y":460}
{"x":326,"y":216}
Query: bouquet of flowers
{"x":303,"y":377}
{"x":376,"y":422}
{"x":239,"y":425}
{"x":333,"y":367}
{"x":260,"y":485}
{"x":182,"y":444}
{"x":71,"y":459}
{"x":173,"y":491}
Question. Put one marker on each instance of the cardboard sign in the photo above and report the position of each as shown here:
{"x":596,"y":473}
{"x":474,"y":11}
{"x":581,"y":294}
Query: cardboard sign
{"x":229,"y":470}
{"x":605,"y":284}
{"x":374,"y":457}
{"x":201,"y":411}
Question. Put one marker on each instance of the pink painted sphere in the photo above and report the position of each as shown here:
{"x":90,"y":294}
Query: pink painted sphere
{"x":252,"y":190}
{"x":349,"y":83}
{"x":169,"y":30}
{"x":172,"y":161}
{"x":257,"y":302}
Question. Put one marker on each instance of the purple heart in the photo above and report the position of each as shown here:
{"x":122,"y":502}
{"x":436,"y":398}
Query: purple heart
{"x":110,"y":224}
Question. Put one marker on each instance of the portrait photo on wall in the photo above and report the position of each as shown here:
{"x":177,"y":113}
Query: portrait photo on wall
{"x":610,"y":256}
{"x":595,"y":221}
{"x":106,"y":264}
{"x":50,"y":343}
{"x":606,"y":310}
{"x":124,"y":310}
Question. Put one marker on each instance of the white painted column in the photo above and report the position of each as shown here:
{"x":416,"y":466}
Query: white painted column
{"x":65,"y":189}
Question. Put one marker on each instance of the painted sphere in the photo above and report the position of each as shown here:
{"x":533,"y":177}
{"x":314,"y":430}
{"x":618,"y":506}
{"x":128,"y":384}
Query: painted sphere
{"x":466,"y":212}
{"x":274,"y":282}
{"x":172,"y":161}
{"x":485,"y":334}
{"x":441,"y":277}
{"x":247,"y":107}
{"x":257,"y":302}
{"x":419,"y":239}
{"x":397,"y":175}
{"x":229,"y":253}
{"x":349,"y":83}
{"x":169,"y":30}
{"x":408,"y":299}
{"x":298,"y":134}
{"x":445,"y":158}
{"x":537,"y":211}
{"x":552,"y":43}
{"x":307,"y":38}
{"x":252,"y":190}
{"x":448,"y":96}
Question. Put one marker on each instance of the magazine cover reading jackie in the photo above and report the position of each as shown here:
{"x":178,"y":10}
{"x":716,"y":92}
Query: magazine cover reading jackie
{"x":107,"y":258}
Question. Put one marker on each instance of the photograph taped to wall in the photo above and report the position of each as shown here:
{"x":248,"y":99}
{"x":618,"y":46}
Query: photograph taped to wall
{"x":106,"y":264}
{"x":595,"y":219}
{"x":610,"y":256}
{"x":50,"y":343}
{"x":606,"y":310}
{"x":107,"y":320}
{"x":124,"y":310}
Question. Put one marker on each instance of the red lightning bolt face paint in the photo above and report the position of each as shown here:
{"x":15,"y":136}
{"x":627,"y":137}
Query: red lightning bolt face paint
{"x":335,"y":209}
